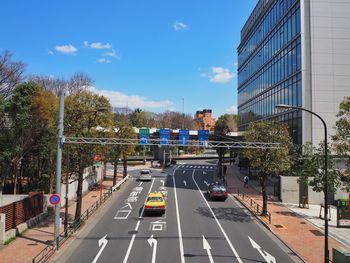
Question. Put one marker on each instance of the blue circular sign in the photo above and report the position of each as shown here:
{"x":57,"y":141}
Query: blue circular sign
{"x":54,"y":199}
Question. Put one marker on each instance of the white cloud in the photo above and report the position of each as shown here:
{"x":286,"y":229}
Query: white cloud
{"x":179,"y":26}
{"x":97,"y":45}
{"x":221,"y":75}
{"x":103,"y":60}
{"x":66,"y":49}
{"x":232,"y":109}
{"x":111,"y":54}
{"x":50,"y":52}
{"x":119,"y":99}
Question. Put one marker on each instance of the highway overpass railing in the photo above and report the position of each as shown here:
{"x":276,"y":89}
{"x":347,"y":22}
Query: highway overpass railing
{"x":159,"y":142}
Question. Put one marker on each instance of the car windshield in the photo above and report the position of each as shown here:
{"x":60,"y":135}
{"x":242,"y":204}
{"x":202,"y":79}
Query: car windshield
{"x":144,"y":172}
{"x":155,"y":199}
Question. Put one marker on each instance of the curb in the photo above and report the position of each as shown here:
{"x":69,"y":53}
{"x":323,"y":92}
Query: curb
{"x":269,"y":228}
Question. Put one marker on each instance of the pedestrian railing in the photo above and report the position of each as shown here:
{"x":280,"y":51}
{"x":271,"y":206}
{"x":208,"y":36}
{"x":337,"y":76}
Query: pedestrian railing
{"x":50,"y":249}
{"x":254,"y":206}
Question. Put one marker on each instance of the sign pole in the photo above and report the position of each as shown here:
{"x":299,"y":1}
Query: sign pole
{"x":59,"y":166}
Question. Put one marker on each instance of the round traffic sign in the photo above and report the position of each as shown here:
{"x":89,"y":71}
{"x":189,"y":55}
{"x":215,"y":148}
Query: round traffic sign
{"x":54,"y":199}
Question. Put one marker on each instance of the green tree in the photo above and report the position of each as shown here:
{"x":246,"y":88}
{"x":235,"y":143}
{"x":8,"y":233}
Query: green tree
{"x":311,"y":170}
{"x":82,"y":116}
{"x":123,"y":130}
{"x":269,"y":161}
{"x":17,"y":137}
{"x":226,"y":123}
{"x":138,"y":118}
{"x":341,"y":139}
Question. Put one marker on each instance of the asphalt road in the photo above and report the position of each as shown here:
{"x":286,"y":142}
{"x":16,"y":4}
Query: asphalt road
{"x":193,"y":229}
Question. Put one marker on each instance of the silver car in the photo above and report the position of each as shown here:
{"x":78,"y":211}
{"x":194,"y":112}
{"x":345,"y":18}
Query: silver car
{"x":145,"y":175}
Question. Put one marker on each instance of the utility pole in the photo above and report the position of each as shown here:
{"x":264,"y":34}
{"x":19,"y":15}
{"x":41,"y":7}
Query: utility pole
{"x":59,"y":165}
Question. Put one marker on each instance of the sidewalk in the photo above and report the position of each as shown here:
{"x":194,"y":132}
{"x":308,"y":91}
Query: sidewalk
{"x":300,"y":229}
{"x":27,"y":246}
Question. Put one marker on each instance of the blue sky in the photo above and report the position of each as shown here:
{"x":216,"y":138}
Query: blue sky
{"x":147,"y":54}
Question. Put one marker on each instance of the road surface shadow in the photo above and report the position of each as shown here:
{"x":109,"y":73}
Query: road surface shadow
{"x":229,"y":214}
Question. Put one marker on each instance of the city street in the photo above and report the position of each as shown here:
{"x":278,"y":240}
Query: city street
{"x":193,"y":229}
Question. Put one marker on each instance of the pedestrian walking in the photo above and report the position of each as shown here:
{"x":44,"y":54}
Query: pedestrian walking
{"x":225,"y":169}
{"x":246,"y":181}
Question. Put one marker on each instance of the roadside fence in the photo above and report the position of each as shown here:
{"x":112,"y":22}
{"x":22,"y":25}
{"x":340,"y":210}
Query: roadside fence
{"x":50,"y":249}
{"x":253,"y":206}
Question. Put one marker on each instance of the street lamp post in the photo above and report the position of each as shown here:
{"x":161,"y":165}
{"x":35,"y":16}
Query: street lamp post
{"x":325,"y":179}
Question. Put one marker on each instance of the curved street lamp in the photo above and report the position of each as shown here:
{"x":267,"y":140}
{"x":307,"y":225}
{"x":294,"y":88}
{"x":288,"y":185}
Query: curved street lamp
{"x":325,"y":189}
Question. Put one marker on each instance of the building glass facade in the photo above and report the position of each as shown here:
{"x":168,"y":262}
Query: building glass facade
{"x":269,"y":65}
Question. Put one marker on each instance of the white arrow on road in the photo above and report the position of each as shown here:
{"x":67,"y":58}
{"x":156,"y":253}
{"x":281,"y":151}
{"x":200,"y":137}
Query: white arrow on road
{"x":102,"y":243}
{"x":268,"y":257}
{"x":206,"y":183}
{"x":204,"y":172}
{"x":140,"y":183}
{"x":162,"y":181}
{"x":153,"y":242}
{"x":185,"y":183}
{"x":207,"y":247}
{"x":184,"y":171}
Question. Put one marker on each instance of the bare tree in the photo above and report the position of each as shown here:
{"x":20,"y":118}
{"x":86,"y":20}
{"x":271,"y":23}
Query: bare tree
{"x":10,"y":73}
{"x":49,"y":83}
{"x":77,"y":83}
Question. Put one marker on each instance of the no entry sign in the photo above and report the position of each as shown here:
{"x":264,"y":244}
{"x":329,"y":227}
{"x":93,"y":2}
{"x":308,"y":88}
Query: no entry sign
{"x":54,"y":199}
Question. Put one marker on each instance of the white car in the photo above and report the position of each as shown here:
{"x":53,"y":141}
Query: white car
{"x":145,"y":175}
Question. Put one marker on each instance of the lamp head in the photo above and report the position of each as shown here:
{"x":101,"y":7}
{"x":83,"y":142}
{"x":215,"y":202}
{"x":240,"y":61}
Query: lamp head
{"x":283,"y":106}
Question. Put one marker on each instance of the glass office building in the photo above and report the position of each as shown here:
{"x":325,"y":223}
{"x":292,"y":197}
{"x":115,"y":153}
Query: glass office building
{"x":269,"y":65}
{"x":295,"y":52}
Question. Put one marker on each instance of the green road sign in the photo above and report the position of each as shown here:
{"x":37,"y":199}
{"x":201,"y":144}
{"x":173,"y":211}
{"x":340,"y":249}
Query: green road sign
{"x":144,"y":135}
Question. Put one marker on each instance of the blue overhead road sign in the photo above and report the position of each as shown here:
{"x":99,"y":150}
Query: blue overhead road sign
{"x":164,"y":136}
{"x":184,"y":136}
{"x":203,"y":135}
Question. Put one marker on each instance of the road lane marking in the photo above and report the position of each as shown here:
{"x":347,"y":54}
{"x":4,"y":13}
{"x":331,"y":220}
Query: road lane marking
{"x":185,"y":183}
{"x":268,"y":257}
{"x":140,"y":183}
{"x":207,"y":247}
{"x":158,"y":225}
{"x":206,"y":183}
{"x":136,"y":228}
{"x":102,"y":243}
{"x":178,"y":222}
{"x":162,"y":181}
{"x":204,"y":172}
{"x":153,"y":243}
{"x":125,"y":206}
{"x":122,"y":214}
{"x":184,"y":172}
{"x":217,"y":221}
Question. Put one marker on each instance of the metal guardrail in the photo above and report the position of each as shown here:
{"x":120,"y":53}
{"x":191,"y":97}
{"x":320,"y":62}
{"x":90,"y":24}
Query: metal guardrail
{"x":254,"y":206}
{"x":50,"y":249}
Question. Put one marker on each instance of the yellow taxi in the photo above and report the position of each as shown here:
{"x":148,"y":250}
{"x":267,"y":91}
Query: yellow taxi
{"x":155,"y":203}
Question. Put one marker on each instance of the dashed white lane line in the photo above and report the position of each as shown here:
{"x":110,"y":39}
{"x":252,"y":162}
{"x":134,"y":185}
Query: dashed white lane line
{"x":178,"y":222}
{"x":217,"y":221}
{"x":136,"y":228}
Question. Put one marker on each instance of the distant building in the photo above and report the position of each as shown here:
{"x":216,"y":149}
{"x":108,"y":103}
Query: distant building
{"x":205,"y":120}
{"x":294,"y":52}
